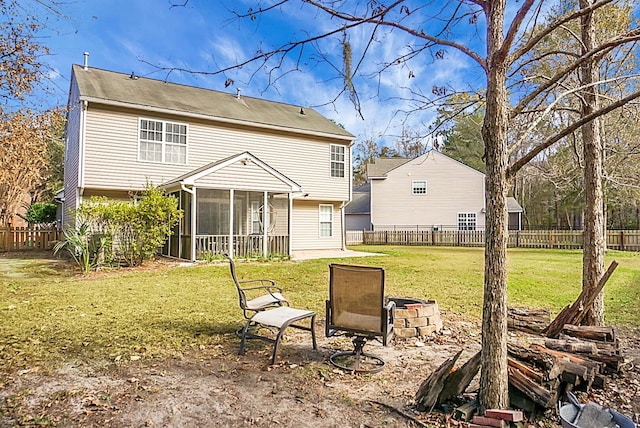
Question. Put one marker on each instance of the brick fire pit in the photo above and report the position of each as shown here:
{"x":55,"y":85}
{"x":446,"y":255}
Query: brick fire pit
{"x":415,"y":317}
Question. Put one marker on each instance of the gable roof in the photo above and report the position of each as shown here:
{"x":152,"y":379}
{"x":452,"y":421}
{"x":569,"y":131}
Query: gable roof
{"x":513,"y":206}
{"x":381,"y":166}
{"x":245,"y":157}
{"x":109,"y":87}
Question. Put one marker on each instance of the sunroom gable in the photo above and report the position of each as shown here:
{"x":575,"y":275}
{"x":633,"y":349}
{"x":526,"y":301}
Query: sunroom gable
{"x":243,"y":171}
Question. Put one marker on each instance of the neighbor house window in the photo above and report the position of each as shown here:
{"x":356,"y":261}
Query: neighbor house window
{"x":162,"y":141}
{"x":337,"y":160}
{"x":466,"y":221}
{"x":419,"y":187}
{"x":326,"y":220}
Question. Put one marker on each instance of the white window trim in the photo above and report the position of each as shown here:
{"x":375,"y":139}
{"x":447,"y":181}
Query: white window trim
{"x":255,"y":217}
{"x":413,"y":187}
{"x":467,"y":214}
{"x":320,"y":220}
{"x":343,"y":162}
{"x":164,"y":141}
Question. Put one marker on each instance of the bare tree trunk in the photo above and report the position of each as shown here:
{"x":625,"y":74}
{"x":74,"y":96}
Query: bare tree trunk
{"x":494,"y":379}
{"x":594,"y":229}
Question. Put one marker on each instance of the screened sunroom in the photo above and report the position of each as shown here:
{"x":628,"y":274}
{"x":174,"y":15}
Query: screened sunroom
{"x":239,"y":221}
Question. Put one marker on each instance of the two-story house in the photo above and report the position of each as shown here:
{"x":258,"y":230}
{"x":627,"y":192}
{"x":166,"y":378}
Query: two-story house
{"x":432,"y":191}
{"x":254,"y":177}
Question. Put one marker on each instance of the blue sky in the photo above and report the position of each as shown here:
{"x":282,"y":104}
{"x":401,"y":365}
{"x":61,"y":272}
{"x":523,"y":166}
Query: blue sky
{"x":129,"y":35}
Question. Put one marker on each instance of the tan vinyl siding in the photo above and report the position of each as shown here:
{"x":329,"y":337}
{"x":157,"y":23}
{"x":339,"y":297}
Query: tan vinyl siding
{"x":452,"y":188}
{"x":243,"y":176}
{"x":305,"y":232}
{"x":112,"y":153}
{"x":72,"y":154}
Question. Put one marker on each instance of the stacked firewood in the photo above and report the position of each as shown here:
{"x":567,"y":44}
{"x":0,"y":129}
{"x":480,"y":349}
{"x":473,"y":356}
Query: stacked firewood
{"x":564,"y":356}
{"x":580,"y":358}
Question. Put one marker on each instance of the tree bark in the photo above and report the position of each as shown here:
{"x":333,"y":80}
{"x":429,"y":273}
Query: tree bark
{"x":594,"y":227}
{"x":494,"y":382}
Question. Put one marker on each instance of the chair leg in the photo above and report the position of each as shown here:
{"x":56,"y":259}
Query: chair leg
{"x":243,"y":337}
{"x":313,"y":332}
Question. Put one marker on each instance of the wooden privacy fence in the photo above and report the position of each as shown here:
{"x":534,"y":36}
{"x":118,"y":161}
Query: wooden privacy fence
{"x":624,"y":240}
{"x":28,"y":238}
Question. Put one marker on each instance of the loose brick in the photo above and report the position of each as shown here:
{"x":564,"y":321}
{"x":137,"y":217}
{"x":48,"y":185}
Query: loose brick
{"x":505,"y":415}
{"x":399,"y":323}
{"x":405,"y":332}
{"x":406,"y":313}
{"x":483,"y":420}
{"x":417,"y":322}
{"x":427,"y":330}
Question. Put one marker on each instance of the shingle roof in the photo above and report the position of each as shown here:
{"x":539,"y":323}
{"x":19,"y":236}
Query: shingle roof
{"x":360,"y":203}
{"x":513,"y":206}
{"x":110,"y":87}
{"x":381,"y":166}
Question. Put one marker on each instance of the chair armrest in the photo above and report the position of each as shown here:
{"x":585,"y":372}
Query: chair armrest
{"x":265,"y":284}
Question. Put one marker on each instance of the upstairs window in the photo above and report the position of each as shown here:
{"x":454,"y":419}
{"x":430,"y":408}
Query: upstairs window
{"x":419,"y":187}
{"x":466,"y":221}
{"x":337,"y":161}
{"x":164,"y":142}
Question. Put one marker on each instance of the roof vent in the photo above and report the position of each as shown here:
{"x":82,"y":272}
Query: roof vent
{"x":133,"y":76}
{"x":86,"y":61}
{"x":238,"y":93}
{"x":301,"y":111}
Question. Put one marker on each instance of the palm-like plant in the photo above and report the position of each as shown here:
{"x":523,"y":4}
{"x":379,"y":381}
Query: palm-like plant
{"x":79,"y":244}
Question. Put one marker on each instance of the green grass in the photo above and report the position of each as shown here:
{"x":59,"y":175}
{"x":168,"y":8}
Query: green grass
{"x":50,"y":315}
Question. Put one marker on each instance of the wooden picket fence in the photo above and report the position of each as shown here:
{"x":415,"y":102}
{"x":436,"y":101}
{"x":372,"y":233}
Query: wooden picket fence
{"x":624,"y":240}
{"x":28,"y":238}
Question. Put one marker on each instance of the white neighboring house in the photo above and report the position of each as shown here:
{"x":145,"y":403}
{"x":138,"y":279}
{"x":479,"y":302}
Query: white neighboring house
{"x":253,"y":177}
{"x":432,"y":191}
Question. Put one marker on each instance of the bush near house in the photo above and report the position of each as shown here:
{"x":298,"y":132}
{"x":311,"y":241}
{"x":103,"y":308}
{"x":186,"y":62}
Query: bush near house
{"x":116,"y":232}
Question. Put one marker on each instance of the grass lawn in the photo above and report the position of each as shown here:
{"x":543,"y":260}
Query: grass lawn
{"x":49,"y":314}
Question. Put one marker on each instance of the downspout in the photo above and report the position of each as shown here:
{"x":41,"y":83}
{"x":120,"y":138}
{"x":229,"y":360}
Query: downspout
{"x":231,"y":243}
{"x":344,"y":230}
{"x":265,"y":223}
{"x":192,"y":192}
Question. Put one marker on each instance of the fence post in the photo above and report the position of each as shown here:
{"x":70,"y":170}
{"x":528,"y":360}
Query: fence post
{"x":622,"y":240}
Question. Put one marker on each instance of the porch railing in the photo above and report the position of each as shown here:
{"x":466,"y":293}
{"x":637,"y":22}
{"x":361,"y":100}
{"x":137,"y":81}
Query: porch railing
{"x":247,"y":246}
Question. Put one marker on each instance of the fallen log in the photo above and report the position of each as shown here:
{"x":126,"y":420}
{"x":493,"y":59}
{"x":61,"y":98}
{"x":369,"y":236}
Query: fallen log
{"x":528,"y":371}
{"x":607,"y":348}
{"x":539,"y":359}
{"x":572,"y":373}
{"x":591,"y":332}
{"x":586,"y":362}
{"x":430,"y":388}
{"x":458,"y":380}
{"x":528,"y":319}
{"x":576,"y":312}
{"x":575,"y":346}
{"x":538,"y":393}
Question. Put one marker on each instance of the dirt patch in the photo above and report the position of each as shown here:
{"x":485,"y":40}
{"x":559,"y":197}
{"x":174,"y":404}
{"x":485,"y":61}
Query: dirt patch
{"x":216,"y":387}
